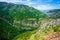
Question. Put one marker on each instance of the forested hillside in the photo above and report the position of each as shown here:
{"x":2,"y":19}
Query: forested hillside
{"x":48,"y":26}
{"x":16,"y":19}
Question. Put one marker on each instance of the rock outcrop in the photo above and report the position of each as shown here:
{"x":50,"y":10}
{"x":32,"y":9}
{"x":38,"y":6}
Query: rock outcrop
{"x":54,"y":36}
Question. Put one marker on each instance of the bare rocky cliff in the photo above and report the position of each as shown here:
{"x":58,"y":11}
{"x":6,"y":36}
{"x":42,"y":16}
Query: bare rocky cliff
{"x":45,"y":23}
{"x":50,"y":22}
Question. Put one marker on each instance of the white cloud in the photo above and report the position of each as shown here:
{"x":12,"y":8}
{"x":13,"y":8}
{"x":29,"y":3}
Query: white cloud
{"x":58,"y":6}
{"x":11,"y":1}
{"x":30,"y":3}
{"x":45,"y":7}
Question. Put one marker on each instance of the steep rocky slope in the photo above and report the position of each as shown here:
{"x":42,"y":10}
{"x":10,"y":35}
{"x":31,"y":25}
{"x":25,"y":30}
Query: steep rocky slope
{"x":47,"y":26}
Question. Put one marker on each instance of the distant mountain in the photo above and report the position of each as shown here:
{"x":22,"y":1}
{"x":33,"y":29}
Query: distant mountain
{"x":54,"y":13}
{"x":55,"y":10}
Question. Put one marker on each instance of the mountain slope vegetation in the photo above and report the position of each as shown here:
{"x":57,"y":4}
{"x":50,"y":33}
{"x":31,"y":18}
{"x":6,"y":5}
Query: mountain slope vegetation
{"x":49,"y":26}
{"x":40,"y":33}
{"x":10,"y":17}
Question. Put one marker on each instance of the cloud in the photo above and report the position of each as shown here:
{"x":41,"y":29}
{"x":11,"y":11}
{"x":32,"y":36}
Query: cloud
{"x":30,"y":3}
{"x":45,"y":7}
{"x":27,"y":2}
{"x":58,"y":6}
{"x":11,"y":1}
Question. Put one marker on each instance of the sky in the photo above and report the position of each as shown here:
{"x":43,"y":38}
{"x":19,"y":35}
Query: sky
{"x":38,"y":4}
